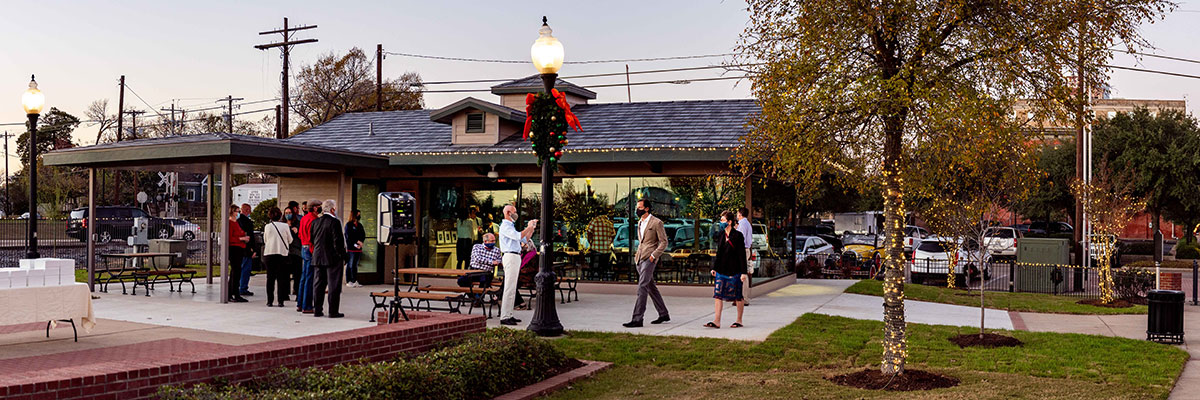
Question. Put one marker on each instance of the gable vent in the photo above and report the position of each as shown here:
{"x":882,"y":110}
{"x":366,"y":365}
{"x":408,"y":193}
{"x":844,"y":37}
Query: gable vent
{"x":475,"y":123}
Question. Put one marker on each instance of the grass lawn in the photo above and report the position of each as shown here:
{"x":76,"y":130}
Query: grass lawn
{"x":793,"y":362}
{"x":1031,"y":302}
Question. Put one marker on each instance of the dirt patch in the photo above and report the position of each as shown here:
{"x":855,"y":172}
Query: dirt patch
{"x":910,"y":380}
{"x":988,"y":340}
{"x":1120,"y":303}
{"x":571,"y":365}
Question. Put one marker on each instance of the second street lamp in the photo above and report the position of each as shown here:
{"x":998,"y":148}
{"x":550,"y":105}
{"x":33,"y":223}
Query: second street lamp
{"x":547,"y":54}
{"x":32,"y":101}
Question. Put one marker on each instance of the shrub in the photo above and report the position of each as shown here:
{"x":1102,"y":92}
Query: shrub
{"x":1187,"y":251}
{"x":259,"y":214}
{"x":1132,"y":282}
{"x":479,"y":366}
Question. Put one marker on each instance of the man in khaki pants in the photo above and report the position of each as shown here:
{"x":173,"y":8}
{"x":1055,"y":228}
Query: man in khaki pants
{"x":653,"y":242}
{"x":743,"y":216}
{"x":510,"y":246}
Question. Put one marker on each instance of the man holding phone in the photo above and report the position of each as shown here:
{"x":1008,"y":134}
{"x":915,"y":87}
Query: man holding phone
{"x":510,"y":246}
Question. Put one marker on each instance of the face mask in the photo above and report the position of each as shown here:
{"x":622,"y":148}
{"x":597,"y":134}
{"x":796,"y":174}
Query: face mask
{"x":490,"y":245}
{"x":288,"y":216}
{"x":723,"y":225}
{"x":641,"y":212}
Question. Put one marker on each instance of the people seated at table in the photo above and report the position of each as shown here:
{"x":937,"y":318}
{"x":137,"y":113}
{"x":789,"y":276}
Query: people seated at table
{"x":484,"y":258}
{"x":600,"y":234}
{"x":237,"y":251}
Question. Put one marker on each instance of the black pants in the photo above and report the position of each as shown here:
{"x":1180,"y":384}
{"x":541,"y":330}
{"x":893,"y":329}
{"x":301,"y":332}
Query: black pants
{"x":294,"y":265}
{"x":277,"y":277}
{"x":327,"y":276}
{"x":484,"y":278}
{"x":464,"y":252}
{"x":235,"y":267}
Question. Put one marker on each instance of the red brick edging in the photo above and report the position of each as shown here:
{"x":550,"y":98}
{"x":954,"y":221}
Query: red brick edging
{"x":141,"y":378}
{"x":1017,"y":322}
{"x":556,"y":382}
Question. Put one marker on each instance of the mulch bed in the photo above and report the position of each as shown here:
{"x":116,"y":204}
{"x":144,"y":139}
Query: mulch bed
{"x":988,"y":340}
{"x":1122,"y":303}
{"x":571,"y":365}
{"x":910,"y":380}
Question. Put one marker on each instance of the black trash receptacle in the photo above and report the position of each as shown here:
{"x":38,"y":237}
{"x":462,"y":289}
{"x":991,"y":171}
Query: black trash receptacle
{"x":1165,"y":319}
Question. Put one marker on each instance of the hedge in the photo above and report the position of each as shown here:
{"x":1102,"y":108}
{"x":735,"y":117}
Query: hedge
{"x":479,"y":366}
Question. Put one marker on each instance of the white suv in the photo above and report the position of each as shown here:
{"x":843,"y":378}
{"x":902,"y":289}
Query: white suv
{"x":1002,"y":241}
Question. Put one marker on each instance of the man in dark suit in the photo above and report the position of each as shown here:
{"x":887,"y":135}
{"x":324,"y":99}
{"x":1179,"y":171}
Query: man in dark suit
{"x":247,"y":226}
{"x":328,"y":256}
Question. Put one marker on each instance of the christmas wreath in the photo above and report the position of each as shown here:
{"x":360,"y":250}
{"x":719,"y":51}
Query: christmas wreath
{"x":547,"y":117}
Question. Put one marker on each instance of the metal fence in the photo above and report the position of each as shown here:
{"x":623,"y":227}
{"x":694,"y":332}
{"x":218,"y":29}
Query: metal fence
{"x":54,"y":241}
{"x":1010,"y":276}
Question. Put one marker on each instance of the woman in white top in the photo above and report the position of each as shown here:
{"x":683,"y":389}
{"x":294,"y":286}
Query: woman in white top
{"x":277,"y":237}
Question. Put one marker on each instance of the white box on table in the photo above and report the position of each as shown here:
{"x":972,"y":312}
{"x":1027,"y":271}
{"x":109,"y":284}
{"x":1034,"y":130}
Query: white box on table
{"x":20,"y":278}
{"x":27,"y":263}
{"x":37,"y":278}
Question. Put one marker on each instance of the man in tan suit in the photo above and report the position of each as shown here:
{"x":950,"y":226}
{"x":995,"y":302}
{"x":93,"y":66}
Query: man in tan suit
{"x":653,"y":241}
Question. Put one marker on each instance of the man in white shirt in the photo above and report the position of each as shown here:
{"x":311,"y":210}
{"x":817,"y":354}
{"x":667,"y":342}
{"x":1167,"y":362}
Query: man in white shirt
{"x":510,"y":246}
{"x":743,"y":216}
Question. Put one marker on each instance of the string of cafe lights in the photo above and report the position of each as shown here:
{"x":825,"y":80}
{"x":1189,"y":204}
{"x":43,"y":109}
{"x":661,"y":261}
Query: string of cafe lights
{"x":565,"y":151}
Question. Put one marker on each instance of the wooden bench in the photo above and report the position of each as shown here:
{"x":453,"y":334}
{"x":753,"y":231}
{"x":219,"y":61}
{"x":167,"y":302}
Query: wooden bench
{"x":150,"y":277}
{"x":453,"y":301}
{"x":487,"y":297}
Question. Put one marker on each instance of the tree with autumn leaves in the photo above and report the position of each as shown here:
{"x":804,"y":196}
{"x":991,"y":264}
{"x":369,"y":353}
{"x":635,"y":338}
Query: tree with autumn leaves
{"x":855,"y":87}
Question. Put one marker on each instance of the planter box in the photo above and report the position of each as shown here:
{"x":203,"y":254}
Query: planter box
{"x":556,"y":382}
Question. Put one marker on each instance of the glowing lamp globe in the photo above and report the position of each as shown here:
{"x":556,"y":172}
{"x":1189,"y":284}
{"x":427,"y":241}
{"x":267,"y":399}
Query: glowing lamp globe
{"x":33,"y":99}
{"x":547,"y":52}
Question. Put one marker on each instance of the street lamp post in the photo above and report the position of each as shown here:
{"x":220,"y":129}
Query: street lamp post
{"x":32,"y":101}
{"x":547,"y":54}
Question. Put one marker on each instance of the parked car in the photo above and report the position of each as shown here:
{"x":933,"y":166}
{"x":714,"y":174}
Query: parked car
{"x":932,"y":257}
{"x":1001,"y":241}
{"x":1050,"y":228}
{"x":184,"y":230}
{"x":912,"y":235}
{"x":824,"y":232}
{"x":685,"y":237}
{"x":25,"y":215}
{"x":864,"y":246}
{"x":115,"y":222}
{"x":1023,"y":228}
{"x":813,"y":254}
{"x":758,"y":235}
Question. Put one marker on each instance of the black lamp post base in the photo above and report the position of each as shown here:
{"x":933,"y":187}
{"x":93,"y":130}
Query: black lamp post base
{"x":545,"y":317}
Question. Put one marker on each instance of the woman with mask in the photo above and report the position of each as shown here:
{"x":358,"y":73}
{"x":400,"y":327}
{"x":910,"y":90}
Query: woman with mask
{"x":291,"y":216}
{"x":355,"y":235}
{"x":237,"y":250}
{"x":728,"y":266}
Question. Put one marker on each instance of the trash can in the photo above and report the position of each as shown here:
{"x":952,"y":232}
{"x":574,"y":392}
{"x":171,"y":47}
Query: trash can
{"x":179,"y":247}
{"x":1165,"y":319}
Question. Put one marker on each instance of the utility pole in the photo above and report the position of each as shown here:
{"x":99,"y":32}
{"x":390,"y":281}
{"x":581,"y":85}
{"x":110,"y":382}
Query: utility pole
{"x":230,"y":99}
{"x":133,"y":122}
{"x":286,"y":47}
{"x":379,"y":77}
{"x":174,"y":125}
{"x":116,"y":200}
{"x":278,"y":126}
{"x":7,"y":200}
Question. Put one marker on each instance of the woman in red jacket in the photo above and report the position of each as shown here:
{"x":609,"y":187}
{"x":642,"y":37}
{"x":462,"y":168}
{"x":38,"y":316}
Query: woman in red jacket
{"x":237,"y":250}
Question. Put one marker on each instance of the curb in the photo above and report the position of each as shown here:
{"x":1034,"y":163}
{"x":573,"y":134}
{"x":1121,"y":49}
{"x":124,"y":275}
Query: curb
{"x":556,"y":382}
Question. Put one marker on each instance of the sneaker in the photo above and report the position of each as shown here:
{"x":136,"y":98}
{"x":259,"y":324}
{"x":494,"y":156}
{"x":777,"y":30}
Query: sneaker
{"x":247,"y":293}
{"x":510,"y":322}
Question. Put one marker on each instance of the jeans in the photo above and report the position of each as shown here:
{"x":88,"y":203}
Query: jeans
{"x":352,"y":265}
{"x":304,"y":296}
{"x":247,"y":265}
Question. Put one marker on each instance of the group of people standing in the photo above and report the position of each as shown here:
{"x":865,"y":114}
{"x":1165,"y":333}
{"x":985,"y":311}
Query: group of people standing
{"x":731,"y":270}
{"x":305,"y":246}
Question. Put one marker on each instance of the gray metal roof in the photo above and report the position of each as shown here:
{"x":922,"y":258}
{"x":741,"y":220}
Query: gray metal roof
{"x":699,"y":125}
{"x":533,"y":84}
{"x":191,"y":150}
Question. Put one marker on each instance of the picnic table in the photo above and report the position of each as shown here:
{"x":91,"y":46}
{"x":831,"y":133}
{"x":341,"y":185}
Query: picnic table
{"x":133,"y":267}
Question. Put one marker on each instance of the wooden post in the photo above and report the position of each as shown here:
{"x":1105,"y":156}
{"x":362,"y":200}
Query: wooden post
{"x":208,"y":224}
{"x":223,"y":215}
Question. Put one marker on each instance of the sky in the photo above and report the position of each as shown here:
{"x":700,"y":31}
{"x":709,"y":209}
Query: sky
{"x":192,"y":53}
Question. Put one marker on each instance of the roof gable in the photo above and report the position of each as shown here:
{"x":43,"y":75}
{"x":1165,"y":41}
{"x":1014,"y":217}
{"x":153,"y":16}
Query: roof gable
{"x":533,"y":84}
{"x":446,"y":114}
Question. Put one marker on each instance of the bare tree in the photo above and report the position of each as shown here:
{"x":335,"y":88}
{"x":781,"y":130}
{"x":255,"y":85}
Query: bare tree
{"x":104,"y":122}
{"x":338,"y":84}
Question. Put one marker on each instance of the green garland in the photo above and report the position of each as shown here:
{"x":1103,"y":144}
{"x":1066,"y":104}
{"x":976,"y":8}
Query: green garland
{"x":548,"y":129}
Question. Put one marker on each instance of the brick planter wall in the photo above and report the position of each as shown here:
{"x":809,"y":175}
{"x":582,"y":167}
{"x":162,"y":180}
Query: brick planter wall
{"x":140,"y":378}
{"x":1170,"y":281}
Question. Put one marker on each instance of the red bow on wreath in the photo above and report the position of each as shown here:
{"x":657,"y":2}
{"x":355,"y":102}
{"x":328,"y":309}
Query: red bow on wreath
{"x":561,"y":100}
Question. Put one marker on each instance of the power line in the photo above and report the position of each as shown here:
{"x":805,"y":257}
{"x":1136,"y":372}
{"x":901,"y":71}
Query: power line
{"x":1188,"y":60}
{"x":675,"y":82}
{"x":135,"y":94}
{"x":652,"y":71}
{"x":496,"y":61}
{"x":1154,"y":71}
